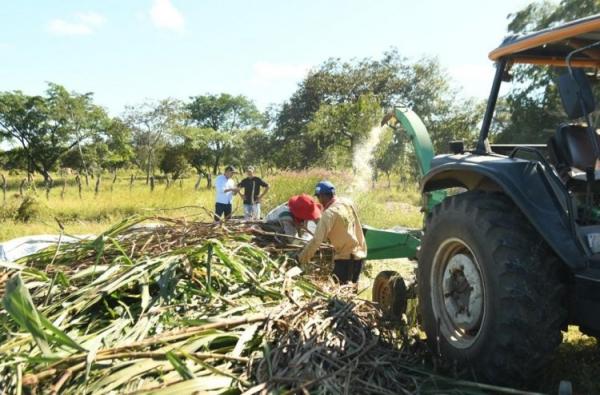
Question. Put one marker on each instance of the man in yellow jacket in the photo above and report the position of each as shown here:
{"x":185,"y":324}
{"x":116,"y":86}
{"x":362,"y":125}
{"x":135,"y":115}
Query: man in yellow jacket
{"x":339,"y":224}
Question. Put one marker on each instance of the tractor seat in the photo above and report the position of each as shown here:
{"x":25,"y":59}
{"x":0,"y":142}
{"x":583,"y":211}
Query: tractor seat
{"x":571,"y":150}
{"x":571,"y":153}
{"x":574,"y":146}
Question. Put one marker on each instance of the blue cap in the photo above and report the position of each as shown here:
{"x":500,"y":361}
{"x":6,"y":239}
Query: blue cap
{"x":324,"y":187}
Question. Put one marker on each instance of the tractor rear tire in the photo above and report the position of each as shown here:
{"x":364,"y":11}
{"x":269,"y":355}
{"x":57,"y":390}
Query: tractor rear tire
{"x":490,"y":291}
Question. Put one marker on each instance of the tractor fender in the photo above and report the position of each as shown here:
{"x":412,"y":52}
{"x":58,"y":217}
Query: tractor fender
{"x":537,"y":196}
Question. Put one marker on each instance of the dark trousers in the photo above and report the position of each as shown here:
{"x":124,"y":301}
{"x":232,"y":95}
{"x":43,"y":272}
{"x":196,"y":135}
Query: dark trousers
{"x":347,"y":270}
{"x":222,"y":209}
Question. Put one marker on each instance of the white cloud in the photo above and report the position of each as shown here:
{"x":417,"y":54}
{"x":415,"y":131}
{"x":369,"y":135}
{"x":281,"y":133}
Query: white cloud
{"x":83,"y":23}
{"x":91,"y":18}
{"x":164,"y":15}
{"x":265,"y":73}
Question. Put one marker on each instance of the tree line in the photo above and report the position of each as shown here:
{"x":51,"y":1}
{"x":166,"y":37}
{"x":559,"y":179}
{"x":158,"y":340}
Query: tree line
{"x":332,"y":111}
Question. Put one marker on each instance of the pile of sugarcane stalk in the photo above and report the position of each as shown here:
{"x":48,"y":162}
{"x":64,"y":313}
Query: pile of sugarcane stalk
{"x":139,"y":308}
{"x":190,"y":307}
{"x":339,"y":344}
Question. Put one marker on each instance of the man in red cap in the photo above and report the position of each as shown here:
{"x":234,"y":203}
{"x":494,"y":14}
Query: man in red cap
{"x":340,"y":225}
{"x":293,"y":216}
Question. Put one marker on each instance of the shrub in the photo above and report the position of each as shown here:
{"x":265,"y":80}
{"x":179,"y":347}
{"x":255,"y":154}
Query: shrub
{"x":29,"y":209}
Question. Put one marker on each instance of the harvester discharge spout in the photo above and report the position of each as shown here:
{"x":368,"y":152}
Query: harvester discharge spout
{"x":403,"y":243}
{"x":415,"y":129}
{"x":390,"y":118}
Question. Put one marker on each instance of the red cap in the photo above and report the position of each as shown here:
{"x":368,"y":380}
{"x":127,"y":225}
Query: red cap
{"x":304,"y":207}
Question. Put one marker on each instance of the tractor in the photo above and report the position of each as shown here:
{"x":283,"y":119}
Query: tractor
{"x":509,"y":254}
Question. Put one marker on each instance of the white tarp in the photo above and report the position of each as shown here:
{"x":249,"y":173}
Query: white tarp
{"x":14,"y":249}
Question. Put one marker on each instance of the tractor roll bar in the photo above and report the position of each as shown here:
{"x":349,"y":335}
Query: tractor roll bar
{"x":491,"y":106}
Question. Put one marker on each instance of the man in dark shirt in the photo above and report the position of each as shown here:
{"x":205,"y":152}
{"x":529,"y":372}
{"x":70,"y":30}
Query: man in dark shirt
{"x":251,"y":186}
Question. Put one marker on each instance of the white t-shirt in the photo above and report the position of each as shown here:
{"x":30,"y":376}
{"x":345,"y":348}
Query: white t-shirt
{"x":221,"y":184}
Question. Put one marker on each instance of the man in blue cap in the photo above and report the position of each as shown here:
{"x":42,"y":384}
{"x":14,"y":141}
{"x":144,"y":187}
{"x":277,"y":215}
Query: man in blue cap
{"x":339,"y":224}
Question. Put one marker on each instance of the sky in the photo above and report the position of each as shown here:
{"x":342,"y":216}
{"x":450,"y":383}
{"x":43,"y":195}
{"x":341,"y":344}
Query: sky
{"x":129,"y":51}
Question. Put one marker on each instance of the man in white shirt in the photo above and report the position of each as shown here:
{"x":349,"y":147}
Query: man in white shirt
{"x":225,"y":186}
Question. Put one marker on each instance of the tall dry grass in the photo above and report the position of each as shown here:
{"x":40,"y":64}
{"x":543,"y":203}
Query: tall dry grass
{"x":92,"y":213}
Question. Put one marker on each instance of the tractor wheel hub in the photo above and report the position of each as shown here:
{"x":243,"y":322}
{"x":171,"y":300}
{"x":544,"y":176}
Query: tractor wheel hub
{"x":463,"y":292}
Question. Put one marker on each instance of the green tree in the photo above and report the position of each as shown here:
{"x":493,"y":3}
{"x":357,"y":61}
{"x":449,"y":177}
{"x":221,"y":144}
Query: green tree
{"x":175,"y":161}
{"x":110,"y":148}
{"x":455,"y":120}
{"x":334,"y":82}
{"x":117,"y":138}
{"x":198,"y":151}
{"x":226,"y":115}
{"x":224,"y":112}
{"x":340,"y":127}
{"x":254,"y":147}
{"x":387,"y":153}
{"x":446,"y":116}
{"x":312,"y":126}
{"x":153,"y":125}
{"x":46,"y":127}
{"x":13,"y":159}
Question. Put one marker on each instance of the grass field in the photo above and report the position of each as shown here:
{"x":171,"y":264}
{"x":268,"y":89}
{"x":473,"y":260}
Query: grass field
{"x":92,"y":213}
{"x":578,"y":359}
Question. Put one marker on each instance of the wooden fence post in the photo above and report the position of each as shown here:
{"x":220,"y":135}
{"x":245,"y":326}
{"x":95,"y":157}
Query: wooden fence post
{"x":97,"y":188}
{"x":48,"y":186}
{"x":131,"y":180}
{"x":181,"y":183}
{"x":78,"y":180}
{"x":151,"y":183}
{"x":21,"y":187}
{"x":30,"y":182}
{"x":3,"y":189}
{"x":62,"y":192}
{"x":168,"y":182}
{"x":113,"y":181}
